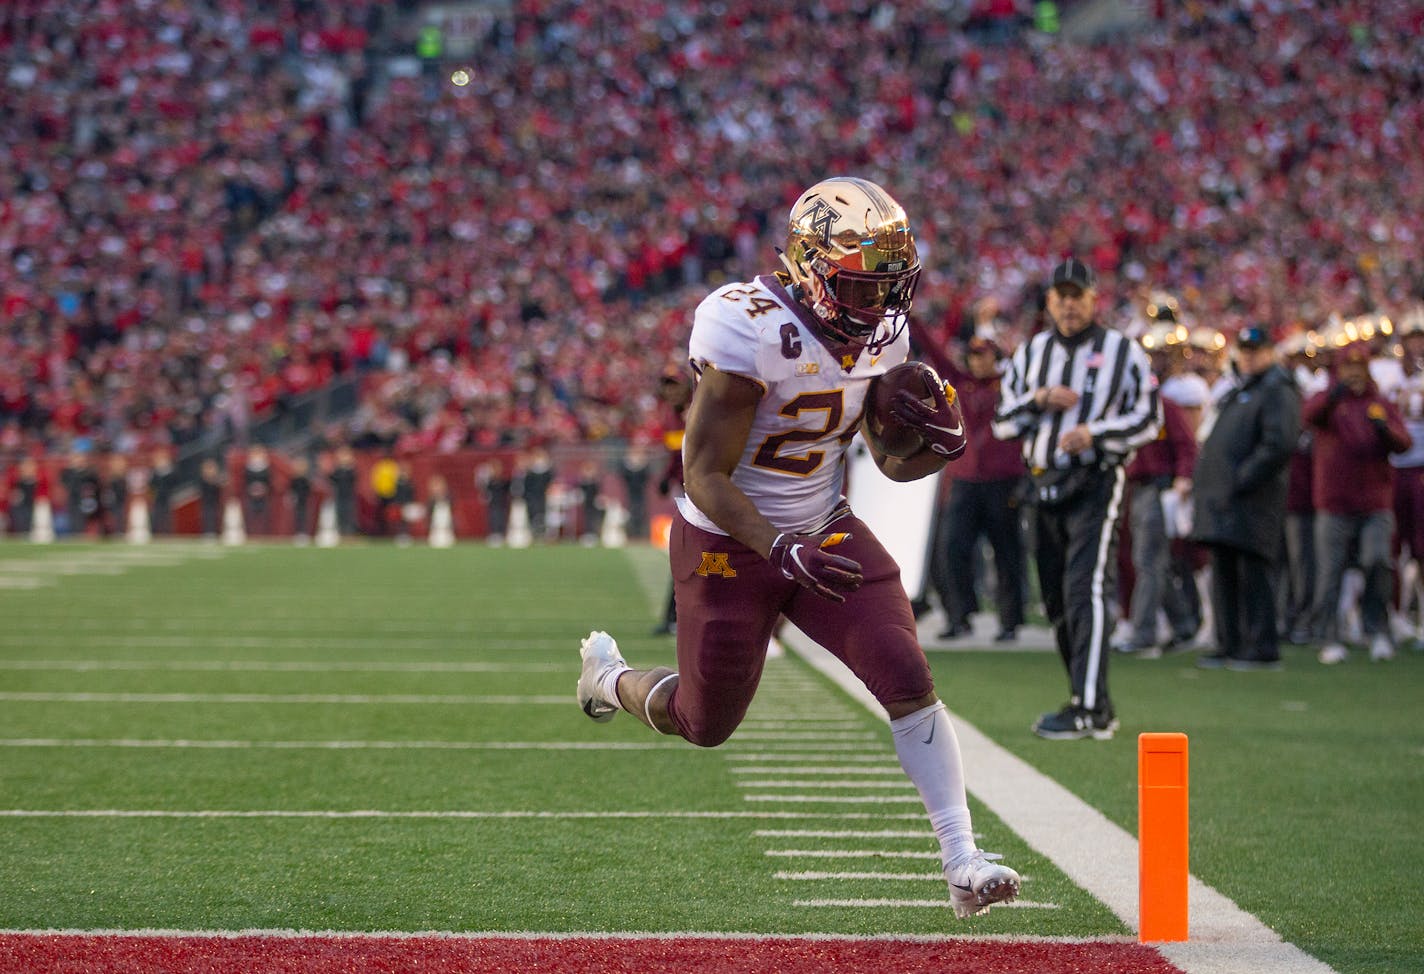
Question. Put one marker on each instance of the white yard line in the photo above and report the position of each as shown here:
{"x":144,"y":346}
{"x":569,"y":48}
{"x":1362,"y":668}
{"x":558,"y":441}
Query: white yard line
{"x":283,"y":813}
{"x":794,"y":770}
{"x":935,"y":877}
{"x":205,"y":642}
{"x":230,"y":745}
{"x":797,"y":759}
{"x":1096,"y":854}
{"x":276,"y":666}
{"x":801,"y":723}
{"x":901,"y":784}
{"x":922,"y":834}
{"x":937,"y":904}
{"x":835,"y":799}
{"x":301,"y":698}
{"x":852,"y":854}
{"x":781,"y":735}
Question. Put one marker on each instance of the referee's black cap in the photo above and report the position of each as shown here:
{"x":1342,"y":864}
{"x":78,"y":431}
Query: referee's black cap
{"x":1073,"y":271}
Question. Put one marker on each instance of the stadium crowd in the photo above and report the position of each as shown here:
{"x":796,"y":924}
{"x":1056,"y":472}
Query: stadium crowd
{"x":208,"y":207}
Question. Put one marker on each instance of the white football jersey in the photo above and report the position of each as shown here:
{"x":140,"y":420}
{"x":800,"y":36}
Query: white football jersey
{"x":792,"y":467}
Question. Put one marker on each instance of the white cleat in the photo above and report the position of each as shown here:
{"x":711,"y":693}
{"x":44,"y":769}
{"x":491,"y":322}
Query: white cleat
{"x":976,"y":883}
{"x":600,"y":659}
{"x":1333,"y":653}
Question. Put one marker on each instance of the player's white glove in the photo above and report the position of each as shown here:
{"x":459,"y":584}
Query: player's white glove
{"x":803,"y":558}
{"x":940,"y":425}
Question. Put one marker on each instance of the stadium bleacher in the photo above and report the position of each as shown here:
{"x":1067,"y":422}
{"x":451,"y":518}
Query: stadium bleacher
{"x":208,"y":212}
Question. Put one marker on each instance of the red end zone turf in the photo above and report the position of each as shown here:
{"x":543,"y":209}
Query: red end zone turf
{"x":456,"y":954}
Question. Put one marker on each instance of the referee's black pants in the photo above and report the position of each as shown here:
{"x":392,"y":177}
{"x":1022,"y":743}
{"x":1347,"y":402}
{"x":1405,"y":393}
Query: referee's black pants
{"x":1076,"y":553}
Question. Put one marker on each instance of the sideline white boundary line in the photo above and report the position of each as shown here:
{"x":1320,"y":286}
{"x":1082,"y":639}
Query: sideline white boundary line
{"x":1093,"y":852}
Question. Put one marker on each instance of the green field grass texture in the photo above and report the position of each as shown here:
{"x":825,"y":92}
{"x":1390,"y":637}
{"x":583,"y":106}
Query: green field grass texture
{"x":251,"y":702}
{"x":1306,"y":786}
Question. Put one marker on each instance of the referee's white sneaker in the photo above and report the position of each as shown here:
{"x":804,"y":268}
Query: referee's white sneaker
{"x":598,"y":680}
{"x":977,"y":882}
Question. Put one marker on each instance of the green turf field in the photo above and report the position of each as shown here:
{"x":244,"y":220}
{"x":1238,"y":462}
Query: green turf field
{"x":374,"y":738}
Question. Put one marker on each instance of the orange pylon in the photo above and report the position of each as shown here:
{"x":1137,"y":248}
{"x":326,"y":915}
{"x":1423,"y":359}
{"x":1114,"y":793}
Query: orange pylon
{"x":1162,"y":837}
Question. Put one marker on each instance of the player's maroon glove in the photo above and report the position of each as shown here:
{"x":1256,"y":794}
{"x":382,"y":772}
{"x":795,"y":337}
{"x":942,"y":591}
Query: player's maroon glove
{"x":803,"y":558}
{"x":941,"y":425}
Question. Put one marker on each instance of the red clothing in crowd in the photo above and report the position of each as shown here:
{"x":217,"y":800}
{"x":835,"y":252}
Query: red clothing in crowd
{"x":1354,"y":436}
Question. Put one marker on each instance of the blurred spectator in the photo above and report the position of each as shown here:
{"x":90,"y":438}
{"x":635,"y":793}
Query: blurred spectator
{"x":635,"y":470}
{"x":590,"y":494}
{"x":114,"y":495}
{"x":24,"y":490}
{"x":385,"y":483}
{"x":984,"y":497}
{"x":534,"y":477}
{"x":211,"y":485}
{"x":82,"y":494}
{"x":342,"y":477}
{"x":403,"y":502}
{"x":1356,"y":430}
{"x":1240,"y":488}
{"x":1408,"y":397}
{"x":257,"y":491}
{"x":493,"y":481}
{"x":1160,"y":468}
{"x":162,"y":481}
{"x":299,"y":487}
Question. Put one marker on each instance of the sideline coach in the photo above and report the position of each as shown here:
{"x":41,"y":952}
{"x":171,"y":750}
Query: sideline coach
{"x":1083,"y":398}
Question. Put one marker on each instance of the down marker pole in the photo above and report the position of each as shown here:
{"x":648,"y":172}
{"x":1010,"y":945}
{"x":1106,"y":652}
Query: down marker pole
{"x":1162,"y":837}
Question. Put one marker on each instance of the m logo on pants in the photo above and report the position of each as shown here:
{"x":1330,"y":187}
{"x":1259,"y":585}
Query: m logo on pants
{"x":716,"y":563}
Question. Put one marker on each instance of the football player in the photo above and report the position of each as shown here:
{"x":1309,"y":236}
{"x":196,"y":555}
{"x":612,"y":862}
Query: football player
{"x":783,"y":364}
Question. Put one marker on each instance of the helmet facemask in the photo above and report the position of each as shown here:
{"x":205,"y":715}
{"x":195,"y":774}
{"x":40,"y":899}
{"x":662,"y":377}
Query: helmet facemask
{"x":851,"y":250}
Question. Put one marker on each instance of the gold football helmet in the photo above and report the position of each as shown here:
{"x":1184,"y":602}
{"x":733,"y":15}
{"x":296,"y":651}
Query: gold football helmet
{"x":852,"y":257}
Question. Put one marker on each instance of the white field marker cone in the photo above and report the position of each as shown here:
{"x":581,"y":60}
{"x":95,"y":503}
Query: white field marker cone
{"x":234,"y":533}
{"x":42,"y":525}
{"x":442,"y":525}
{"x":138,"y":526}
{"x":326,"y":533}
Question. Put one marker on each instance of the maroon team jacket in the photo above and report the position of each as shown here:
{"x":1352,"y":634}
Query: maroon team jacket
{"x":1173,"y":454}
{"x":984,"y":458}
{"x":1350,"y":468}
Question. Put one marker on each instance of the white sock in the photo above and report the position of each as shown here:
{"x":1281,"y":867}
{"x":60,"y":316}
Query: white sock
{"x":928,"y":750}
{"x":608,"y":687}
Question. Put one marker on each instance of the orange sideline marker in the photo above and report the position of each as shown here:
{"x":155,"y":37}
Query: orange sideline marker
{"x":1162,"y":837}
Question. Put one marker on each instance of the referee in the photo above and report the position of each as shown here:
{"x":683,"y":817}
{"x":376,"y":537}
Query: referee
{"x":1083,"y":398}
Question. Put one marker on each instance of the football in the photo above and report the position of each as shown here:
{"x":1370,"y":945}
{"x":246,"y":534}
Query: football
{"x":885,"y":432}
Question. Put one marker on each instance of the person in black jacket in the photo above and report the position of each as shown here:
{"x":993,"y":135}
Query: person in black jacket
{"x":1240,"y":503}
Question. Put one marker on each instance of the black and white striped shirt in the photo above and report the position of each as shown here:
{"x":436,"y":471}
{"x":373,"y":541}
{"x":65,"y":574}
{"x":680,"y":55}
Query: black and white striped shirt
{"x":1113,"y":378}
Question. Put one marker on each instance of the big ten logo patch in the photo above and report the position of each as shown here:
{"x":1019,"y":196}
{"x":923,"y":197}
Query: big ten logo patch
{"x":716,"y":563}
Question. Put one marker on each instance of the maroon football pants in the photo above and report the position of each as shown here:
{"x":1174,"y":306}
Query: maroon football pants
{"x":728,"y":601}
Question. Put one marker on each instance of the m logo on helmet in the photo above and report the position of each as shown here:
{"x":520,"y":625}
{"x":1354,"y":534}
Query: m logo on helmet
{"x":821,"y":218}
{"x":716,"y":563}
